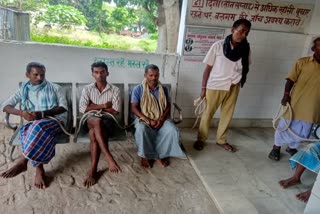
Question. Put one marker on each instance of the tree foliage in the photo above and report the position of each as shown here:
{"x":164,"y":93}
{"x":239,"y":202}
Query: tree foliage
{"x":29,"y":5}
{"x":147,"y":12}
{"x":121,"y":18}
{"x":64,"y":16}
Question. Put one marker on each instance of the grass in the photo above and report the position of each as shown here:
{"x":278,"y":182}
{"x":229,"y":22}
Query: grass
{"x":93,"y":39}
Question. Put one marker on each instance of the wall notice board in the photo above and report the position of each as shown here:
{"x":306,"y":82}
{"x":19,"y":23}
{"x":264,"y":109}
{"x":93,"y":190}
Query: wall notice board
{"x":198,"y":40}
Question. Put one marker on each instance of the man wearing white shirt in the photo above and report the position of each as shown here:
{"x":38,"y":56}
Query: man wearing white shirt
{"x":226,"y":70}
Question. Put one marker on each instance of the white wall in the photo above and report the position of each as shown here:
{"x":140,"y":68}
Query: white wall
{"x":72,"y":64}
{"x":273,"y":55}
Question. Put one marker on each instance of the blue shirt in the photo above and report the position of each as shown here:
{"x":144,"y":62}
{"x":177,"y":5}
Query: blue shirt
{"x":137,"y":91}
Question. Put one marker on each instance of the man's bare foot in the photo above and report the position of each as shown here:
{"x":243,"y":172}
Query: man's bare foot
{"x":163,"y":162}
{"x":304,"y":196}
{"x":145,"y":163}
{"x":39,"y":177}
{"x":91,"y":179}
{"x":289,"y":182}
{"x":113,"y":167}
{"x":19,"y":167}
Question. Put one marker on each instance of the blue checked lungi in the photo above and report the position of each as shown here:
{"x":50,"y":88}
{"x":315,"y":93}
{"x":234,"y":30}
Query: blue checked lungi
{"x":308,"y":156}
{"x":38,"y":139}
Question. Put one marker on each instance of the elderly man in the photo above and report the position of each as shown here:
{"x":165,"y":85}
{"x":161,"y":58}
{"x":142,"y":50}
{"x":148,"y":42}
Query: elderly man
{"x":100,"y":95}
{"x":302,"y":91}
{"x":157,"y":138}
{"x":39,"y":98}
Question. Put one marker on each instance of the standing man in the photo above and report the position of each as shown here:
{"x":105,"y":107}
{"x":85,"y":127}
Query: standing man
{"x":39,"y":98}
{"x":227,"y":67}
{"x":156,"y":136}
{"x":302,"y":91}
{"x":100,"y":95}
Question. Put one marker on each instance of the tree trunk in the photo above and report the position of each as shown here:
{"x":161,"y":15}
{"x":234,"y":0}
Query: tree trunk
{"x":162,"y":29}
{"x":168,"y":25}
{"x":172,"y":14}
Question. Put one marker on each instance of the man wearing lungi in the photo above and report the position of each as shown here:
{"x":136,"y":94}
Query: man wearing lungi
{"x":156,"y":137}
{"x":302,"y":91}
{"x":100,"y":95}
{"x":39,"y":98}
{"x":308,"y":157}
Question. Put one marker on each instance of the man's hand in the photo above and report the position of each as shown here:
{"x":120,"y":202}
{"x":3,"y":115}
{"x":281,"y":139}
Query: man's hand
{"x":203,"y":93}
{"x":159,"y":124}
{"x":108,"y":104}
{"x":153,"y":123}
{"x":29,"y":116}
{"x":243,"y":80}
{"x":286,"y":99}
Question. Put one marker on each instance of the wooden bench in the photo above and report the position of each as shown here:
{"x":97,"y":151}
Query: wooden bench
{"x":62,"y":138}
{"x":118,"y":134}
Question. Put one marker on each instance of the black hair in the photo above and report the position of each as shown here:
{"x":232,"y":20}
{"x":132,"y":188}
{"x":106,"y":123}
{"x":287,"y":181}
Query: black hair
{"x":244,"y":22}
{"x":150,"y":66}
{"x":99,"y":64}
{"x":35,"y":65}
{"x":314,"y":43}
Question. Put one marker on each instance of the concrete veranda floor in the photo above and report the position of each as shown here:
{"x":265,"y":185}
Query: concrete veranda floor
{"x":242,"y":182}
{"x":176,"y":189}
{"x":246,"y":181}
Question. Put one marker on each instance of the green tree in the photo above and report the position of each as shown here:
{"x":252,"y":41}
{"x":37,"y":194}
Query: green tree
{"x":64,"y":16}
{"x":165,"y":14}
{"x":29,"y":5}
{"x":91,"y":9}
{"x":122,"y":17}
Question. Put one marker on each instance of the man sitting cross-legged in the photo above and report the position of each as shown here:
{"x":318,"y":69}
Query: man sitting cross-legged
{"x":157,"y":138}
{"x":38,"y":98}
{"x":104,"y":96}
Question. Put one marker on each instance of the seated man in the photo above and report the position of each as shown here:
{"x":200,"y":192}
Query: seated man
{"x":306,"y":158}
{"x":39,"y":98}
{"x":157,"y":138}
{"x":104,"y":96}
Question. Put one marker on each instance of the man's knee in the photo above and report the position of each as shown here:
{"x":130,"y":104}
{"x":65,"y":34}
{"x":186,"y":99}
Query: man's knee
{"x":95,"y":122}
{"x":92,"y":135}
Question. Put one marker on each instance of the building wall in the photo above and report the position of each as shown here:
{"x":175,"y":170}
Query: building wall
{"x":273,"y":55}
{"x":72,"y":64}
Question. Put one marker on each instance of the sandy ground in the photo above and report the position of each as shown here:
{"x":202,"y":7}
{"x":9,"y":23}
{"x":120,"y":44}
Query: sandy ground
{"x":176,"y":189}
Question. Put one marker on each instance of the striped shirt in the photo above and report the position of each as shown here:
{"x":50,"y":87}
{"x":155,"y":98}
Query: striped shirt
{"x":91,"y":94}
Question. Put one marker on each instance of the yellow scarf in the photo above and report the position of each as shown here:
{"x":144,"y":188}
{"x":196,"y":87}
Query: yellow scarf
{"x":150,"y":106}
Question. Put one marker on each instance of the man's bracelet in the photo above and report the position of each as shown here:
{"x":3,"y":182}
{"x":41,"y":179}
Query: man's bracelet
{"x":42,"y":114}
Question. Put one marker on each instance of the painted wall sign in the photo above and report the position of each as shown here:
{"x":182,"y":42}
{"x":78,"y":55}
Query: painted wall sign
{"x":198,"y":40}
{"x":264,"y":15}
{"x":123,"y":62}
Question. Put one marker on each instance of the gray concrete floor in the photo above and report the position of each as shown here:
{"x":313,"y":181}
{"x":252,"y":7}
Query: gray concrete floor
{"x":246,"y":181}
{"x":176,"y":189}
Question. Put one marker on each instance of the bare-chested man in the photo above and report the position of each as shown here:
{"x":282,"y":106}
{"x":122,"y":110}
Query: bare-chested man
{"x":39,"y":98}
{"x":100,"y":95}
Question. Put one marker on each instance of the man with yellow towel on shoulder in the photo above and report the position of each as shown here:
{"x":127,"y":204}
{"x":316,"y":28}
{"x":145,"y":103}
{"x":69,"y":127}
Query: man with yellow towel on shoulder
{"x":156,"y":136}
